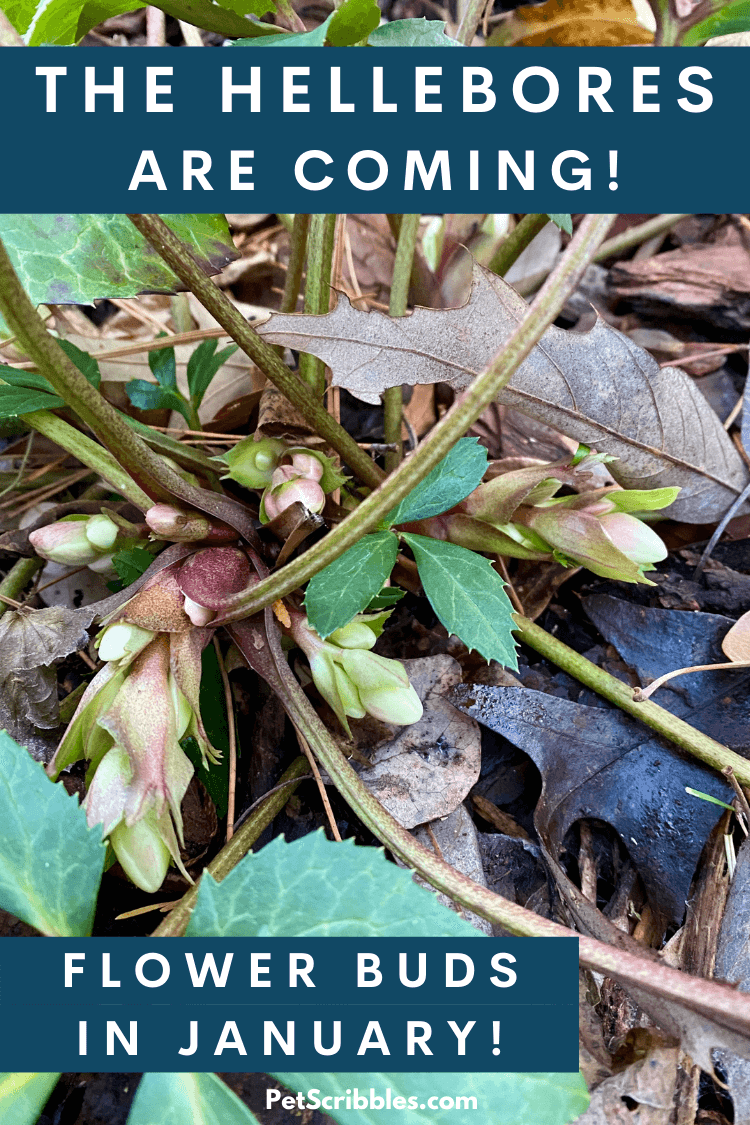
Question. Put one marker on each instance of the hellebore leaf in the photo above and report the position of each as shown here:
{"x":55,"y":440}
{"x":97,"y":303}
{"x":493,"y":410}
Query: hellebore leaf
{"x":596,"y":762}
{"x":411,"y":33}
{"x":203,"y":365}
{"x":22,"y":400}
{"x":564,"y":222}
{"x":76,"y":259}
{"x":352,"y":22}
{"x":163,"y":366}
{"x":152,"y":396}
{"x":313,"y":888}
{"x":597,"y":387}
{"x":346,"y":586}
{"x":50,"y":862}
{"x":202,"y":1099}
{"x":23,"y":1097}
{"x":130,"y":563}
{"x":467,"y":595}
{"x":451,"y":481}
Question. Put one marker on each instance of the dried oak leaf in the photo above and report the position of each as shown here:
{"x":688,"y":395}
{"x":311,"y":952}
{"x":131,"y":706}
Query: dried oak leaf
{"x":597,"y":387}
{"x":31,"y":641}
{"x":572,"y":23}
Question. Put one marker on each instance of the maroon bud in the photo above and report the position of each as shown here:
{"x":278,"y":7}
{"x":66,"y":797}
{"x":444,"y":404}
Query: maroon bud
{"x":212,"y":576}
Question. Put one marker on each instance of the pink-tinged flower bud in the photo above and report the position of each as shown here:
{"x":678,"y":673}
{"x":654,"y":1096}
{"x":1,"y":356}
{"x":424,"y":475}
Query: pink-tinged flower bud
{"x":251,"y":463}
{"x":635,"y":539}
{"x":307,"y":465}
{"x":181,"y":526}
{"x":65,"y":542}
{"x":101,"y":531}
{"x":142,"y":853}
{"x":285,"y":492}
{"x":123,"y":640}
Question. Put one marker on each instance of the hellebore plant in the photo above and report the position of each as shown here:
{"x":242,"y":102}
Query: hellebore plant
{"x":286,"y":474}
{"x":517,"y":513}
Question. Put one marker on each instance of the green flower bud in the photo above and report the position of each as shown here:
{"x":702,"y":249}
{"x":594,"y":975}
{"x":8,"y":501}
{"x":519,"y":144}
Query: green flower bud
{"x":101,"y":531}
{"x":122,"y":640}
{"x":64,"y":542}
{"x":383,"y":686}
{"x":143,"y":855}
{"x":251,"y":463}
{"x":354,"y":635}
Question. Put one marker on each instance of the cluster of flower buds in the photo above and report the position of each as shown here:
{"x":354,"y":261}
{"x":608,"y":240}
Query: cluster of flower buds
{"x":129,"y":724}
{"x":517,"y":513}
{"x":286,"y":474}
{"x":352,"y":679}
{"x":78,"y":540}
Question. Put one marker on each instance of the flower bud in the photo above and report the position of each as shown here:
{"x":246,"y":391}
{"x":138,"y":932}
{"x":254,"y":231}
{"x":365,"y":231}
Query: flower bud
{"x":143,"y":855}
{"x":200,"y":615}
{"x":354,"y":635}
{"x":181,"y":526}
{"x":634,"y":538}
{"x":383,"y":686}
{"x":101,"y":532}
{"x":251,"y":463}
{"x":65,"y":542}
{"x":307,"y":465}
{"x":286,"y":490}
{"x":122,"y":640}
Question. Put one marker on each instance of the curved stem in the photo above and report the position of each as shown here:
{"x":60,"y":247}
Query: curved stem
{"x":393,"y":397}
{"x":178,"y":257}
{"x":710,"y":751}
{"x":443,"y":437}
{"x":318,"y":291}
{"x":514,"y":245}
{"x":17,"y":579}
{"x":297,"y":249}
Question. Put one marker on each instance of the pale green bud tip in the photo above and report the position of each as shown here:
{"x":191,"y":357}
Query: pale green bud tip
{"x":101,"y":531}
{"x":383,"y":686}
{"x":142,"y":853}
{"x":635,"y":539}
{"x":122,"y":640}
{"x":401,"y":706}
{"x":354,"y":635}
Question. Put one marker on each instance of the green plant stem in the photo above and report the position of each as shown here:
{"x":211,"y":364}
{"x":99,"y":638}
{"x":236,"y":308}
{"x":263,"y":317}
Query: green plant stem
{"x":90,"y":453}
{"x":297,"y":250}
{"x":443,"y":437}
{"x":318,"y":291}
{"x":17,"y":579}
{"x":402,"y":269}
{"x":664,"y":722}
{"x":156,"y":479}
{"x":634,"y":236}
{"x":471,"y":13}
{"x":519,"y":238}
{"x":178,"y":257}
{"x":175,"y":923}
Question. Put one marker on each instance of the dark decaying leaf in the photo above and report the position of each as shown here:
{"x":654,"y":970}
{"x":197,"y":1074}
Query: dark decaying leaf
{"x":597,"y":387}
{"x":733,"y":965}
{"x":598,"y":763}
{"x":30,"y":642}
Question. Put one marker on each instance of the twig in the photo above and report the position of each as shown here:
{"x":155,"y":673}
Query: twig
{"x":402,"y":268}
{"x":232,"y":729}
{"x":22,"y":467}
{"x":741,"y":795}
{"x":304,"y":747}
{"x":728,"y":515}
{"x":17,"y":579}
{"x":633,"y":236}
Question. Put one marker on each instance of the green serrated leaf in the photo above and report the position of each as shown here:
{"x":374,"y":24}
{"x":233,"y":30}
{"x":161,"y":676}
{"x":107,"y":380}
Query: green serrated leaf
{"x":22,"y":400}
{"x":316,"y":887}
{"x":502,"y":1099}
{"x":85,"y":363}
{"x":451,"y":481}
{"x":411,"y":33}
{"x":564,"y":222}
{"x":23,"y":1097}
{"x":131,"y":563}
{"x":163,"y":367}
{"x":77,"y":259}
{"x":730,"y":19}
{"x":175,"y":1099}
{"x":387,"y":597}
{"x":343,"y":589}
{"x":352,"y":22}
{"x":468,"y":596}
{"x":214,"y":715}
{"x":314,"y":38}
{"x":61,"y":23}
{"x":203,"y":365}
{"x":50,"y":862}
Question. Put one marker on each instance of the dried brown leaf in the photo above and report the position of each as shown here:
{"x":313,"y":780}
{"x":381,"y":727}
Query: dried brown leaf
{"x":736,"y":644}
{"x":597,"y":387}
